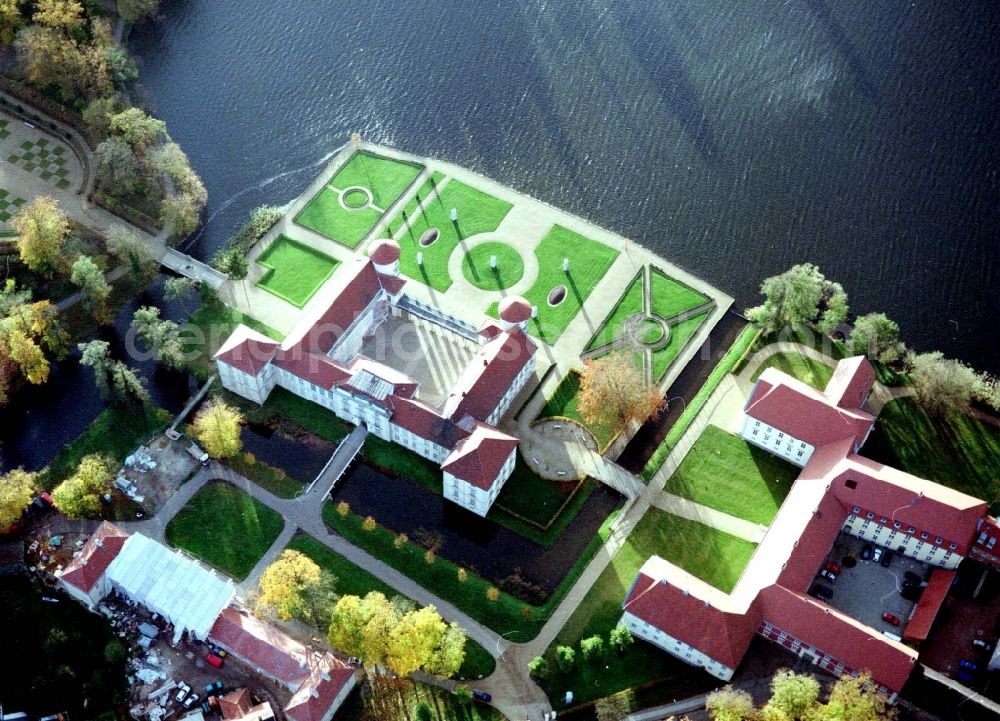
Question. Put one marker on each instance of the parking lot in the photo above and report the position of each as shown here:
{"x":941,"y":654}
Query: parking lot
{"x":868,"y":590}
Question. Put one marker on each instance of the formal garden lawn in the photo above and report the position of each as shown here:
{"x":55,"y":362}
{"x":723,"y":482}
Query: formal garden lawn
{"x":711,"y":555}
{"x":385,"y":179}
{"x":724,"y":472}
{"x":630,"y":303}
{"x":295,"y":271}
{"x":669,"y":297}
{"x":478,"y":212}
{"x":509,"y":266}
{"x":814,"y":372}
{"x":564,"y":403}
{"x":589,"y":262}
{"x":226,"y":528}
{"x":680,"y":333}
{"x":958,"y":451}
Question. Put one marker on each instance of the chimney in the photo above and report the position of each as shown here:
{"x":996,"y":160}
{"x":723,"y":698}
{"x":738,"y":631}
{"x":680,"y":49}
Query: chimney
{"x":99,"y":543}
{"x":314,"y":693}
{"x":324,"y":675}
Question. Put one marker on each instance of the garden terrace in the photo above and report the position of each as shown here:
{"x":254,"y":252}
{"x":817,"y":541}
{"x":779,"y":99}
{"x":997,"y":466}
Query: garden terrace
{"x":294,"y":271}
{"x":349,"y":206}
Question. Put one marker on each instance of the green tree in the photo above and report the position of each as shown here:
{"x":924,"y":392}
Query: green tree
{"x":117,"y":169}
{"x":876,"y":336}
{"x":800,"y":297}
{"x":11,"y":18}
{"x":565,"y":658}
{"x":448,"y":654}
{"x":126,"y":246}
{"x":620,"y":639}
{"x":234,"y":264}
{"x":728,"y":704}
{"x":42,"y":228}
{"x":162,"y":336}
{"x":792,"y":695}
{"x":538,"y":667}
{"x":117,"y":383}
{"x":179,"y":289}
{"x":853,"y":698}
{"x":942,"y":384}
{"x":424,"y":712}
{"x":181,"y":213}
{"x":319,"y":599}
{"x":616,"y":707}
{"x":79,"y":496}
{"x":138,"y":129}
{"x":463,"y":694}
{"x":217,"y":428}
{"x":94,"y":289}
{"x":62,"y":14}
{"x":97,"y":114}
{"x":132,"y":11}
{"x":17,"y":487}
{"x":284,"y":583}
{"x":592,"y":647}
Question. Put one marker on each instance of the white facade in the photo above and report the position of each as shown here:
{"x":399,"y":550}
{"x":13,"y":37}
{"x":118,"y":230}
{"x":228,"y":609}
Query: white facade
{"x":921,"y":545}
{"x":781,"y":444}
{"x":97,"y":593}
{"x":474,"y":498}
{"x":255,"y":388}
{"x":686,"y":653}
{"x":515,"y":388}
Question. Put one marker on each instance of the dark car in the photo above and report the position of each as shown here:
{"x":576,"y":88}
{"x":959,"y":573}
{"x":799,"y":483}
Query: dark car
{"x":820,"y":591}
{"x":828,"y":575}
{"x":913,"y":578}
{"x":911,"y":592}
{"x":866,"y":552}
{"x":982,"y":645}
{"x":968,"y":665}
{"x":886,"y":559}
{"x":964,"y":677}
{"x":482,"y":696}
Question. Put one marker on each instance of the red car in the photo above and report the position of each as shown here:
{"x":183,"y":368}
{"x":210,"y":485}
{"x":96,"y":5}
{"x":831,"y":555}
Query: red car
{"x":832,"y":568}
{"x":216,"y":662}
{"x":889,"y":618}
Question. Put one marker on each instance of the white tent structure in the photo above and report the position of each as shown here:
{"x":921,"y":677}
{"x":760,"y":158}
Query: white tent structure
{"x":169,"y":583}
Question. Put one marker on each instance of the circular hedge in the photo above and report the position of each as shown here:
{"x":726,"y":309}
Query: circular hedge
{"x":356,"y":198}
{"x":476,"y":266}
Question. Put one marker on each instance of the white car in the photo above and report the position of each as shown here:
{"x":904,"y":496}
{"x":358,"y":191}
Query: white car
{"x":877,"y":555}
{"x":182,"y":691}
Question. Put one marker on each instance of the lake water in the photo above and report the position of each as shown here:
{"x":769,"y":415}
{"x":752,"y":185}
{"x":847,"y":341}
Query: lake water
{"x":733,"y":138}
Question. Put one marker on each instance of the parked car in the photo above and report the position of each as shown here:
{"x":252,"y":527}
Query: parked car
{"x":820,"y":591}
{"x":191,"y":700}
{"x":214,"y":660}
{"x":866,"y":552}
{"x":213,"y":687}
{"x":889,"y":618}
{"x":877,"y":555}
{"x":913,"y":578}
{"x":964,"y":676}
{"x":983,"y":645}
{"x":828,"y":576}
{"x":832,"y":568}
{"x":355,"y":661}
{"x":182,"y":691}
{"x":886,"y":559}
{"x":482,"y":696}
{"x":911,"y":592}
{"x":968,"y":665}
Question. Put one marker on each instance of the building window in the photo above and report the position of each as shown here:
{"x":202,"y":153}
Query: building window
{"x":856,"y":509}
{"x":938,"y":541}
{"x":851,"y":485}
{"x":870,"y":515}
{"x":781,"y":435}
{"x":883,"y":519}
{"x":953,"y":546}
{"x":897,"y":524}
{"x":911,"y":529}
{"x":923,"y":536}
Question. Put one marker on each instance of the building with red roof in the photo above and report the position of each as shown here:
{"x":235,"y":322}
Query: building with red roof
{"x":84,"y":578}
{"x":837,"y":491}
{"x":321,"y":360}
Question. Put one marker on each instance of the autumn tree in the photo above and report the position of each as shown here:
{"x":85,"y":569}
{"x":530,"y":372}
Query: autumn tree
{"x":853,"y":698}
{"x":616,"y":707}
{"x":94,"y":288}
{"x":614,"y":392}
{"x":792,"y":694}
{"x":876,"y":336}
{"x":126,"y":246}
{"x":117,"y":383}
{"x":117,"y":169}
{"x":96,"y":115}
{"x":27,"y":331}
{"x":79,"y":496}
{"x":11,"y":18}
{"x":160,"y":335}
{"x":728,"y":704}
{"x":800,"y":297}
{"x":16,"y":490}
{"x":217,"y":428}
{"x":42,"y":228}
{"x":64,"y":15}
{"x":139,"y":130}
{"x":942,"y":384}
{"x":283,"y":584}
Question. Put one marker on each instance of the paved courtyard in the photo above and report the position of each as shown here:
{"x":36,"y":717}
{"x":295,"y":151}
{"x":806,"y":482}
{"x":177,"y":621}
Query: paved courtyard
{"x":44,"y":157}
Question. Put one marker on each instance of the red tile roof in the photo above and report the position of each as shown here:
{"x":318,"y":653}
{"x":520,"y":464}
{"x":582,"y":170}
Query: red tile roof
{"x":929,"y":604}
{"x":261,"y":646}
{"x":315,"y":368}
{"x":514,"y":309}
{"x":315,"y":697}
{"x":479,"y":458}
{"x":423,"y":421}
{"x":235,"y":704}
{"x":489,"y":375}
{"x":851,"y":382}
{"x":384,"y":251}
{"x":104,"y":544}
{"x":247,"y":350}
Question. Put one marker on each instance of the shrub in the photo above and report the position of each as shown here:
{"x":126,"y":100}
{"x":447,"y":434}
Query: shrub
{"x":400,"y":541}
{"x":369,"y":523}
{"x":463,"y":693}
{"x":538,"y":667}
{"x":527,"y":612}
{"x":493,"y":593}
{"x":592,"y":647}
{"x":620,"y":638}
{"x":463,"y":575}
{"x":429,"y":558}
{"x":424,"y":712}
{"x":343,"y":508}
{"x":565,"y":658}
{"x":249,"y":458}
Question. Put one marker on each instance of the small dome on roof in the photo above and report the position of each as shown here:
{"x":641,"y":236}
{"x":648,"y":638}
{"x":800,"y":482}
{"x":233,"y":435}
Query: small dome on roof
{"x":385,"y":252}
{"x":514,"y":309}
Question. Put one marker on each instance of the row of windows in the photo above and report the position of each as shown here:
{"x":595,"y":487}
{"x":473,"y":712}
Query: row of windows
{"x":924,"y":535}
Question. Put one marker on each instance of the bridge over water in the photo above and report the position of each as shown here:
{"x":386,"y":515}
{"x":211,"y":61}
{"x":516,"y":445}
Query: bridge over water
{"x":192,"y":268}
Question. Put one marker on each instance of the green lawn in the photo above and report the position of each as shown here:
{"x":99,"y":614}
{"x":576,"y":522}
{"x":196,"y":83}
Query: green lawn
{"x":400,"y":703}
{"x":958,"y":451}
{"x":476,"y":266}
{"x":210,"y":326}
{"x":329,"y":218}
{"x":713,"y":556}
{"x":807,"y":370}
{"x":724,"y":472}
{"x":295,"y":271}
{"x":385,"y":178}
{"x":273,"y":479}
{"x":564,"y":403}
{"x":680,"y":333}
{"x":630,"y":303}
{"x":226,"y":528}
{"x":668,"y":297}
{"x":352,"y":580}
{"x":114,"y":433}
{"x":507,"y":614}
{"x":311,"y":416}
{"x":589,"y":262}
{"x":478,"y":212}
{"x":427,"y":192}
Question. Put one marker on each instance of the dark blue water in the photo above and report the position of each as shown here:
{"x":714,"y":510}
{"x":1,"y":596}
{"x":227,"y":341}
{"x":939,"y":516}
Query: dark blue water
{"x":733,"y":138}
